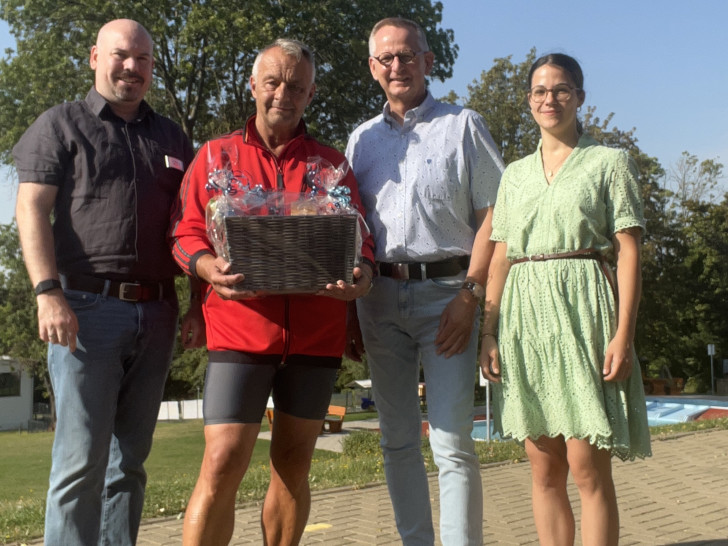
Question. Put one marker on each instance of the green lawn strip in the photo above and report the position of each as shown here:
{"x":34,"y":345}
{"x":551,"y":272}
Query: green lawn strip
{"x":25,"y":461}
{"x":175,"y":460}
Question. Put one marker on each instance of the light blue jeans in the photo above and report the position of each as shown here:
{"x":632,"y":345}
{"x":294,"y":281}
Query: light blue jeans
{"x":399,"y":321}
{"x":107,"y":397}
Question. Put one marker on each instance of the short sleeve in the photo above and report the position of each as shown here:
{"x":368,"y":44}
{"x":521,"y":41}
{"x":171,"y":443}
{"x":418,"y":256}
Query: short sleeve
{"x":500,"y":216}
{"x":484,"y":161}
{"x":40,"y":155}
{"x":624,"y":196}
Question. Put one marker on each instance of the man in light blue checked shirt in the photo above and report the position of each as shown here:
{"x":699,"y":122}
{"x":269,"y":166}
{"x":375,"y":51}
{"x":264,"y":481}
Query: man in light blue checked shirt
{"x":428,"y":175}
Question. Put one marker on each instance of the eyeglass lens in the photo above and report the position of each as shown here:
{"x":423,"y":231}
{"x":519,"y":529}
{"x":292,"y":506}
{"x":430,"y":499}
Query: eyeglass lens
{"x":560,"y":92}
{"x":405,"y":57}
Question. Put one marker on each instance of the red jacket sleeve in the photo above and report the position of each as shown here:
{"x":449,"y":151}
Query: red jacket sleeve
{"x":188,"y":230}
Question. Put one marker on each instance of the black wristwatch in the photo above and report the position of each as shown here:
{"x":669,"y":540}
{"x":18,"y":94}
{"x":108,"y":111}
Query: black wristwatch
{"x":475,"y":289}
{"x":46,"y":286}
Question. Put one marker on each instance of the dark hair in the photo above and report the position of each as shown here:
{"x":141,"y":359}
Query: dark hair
{"x":567,"y":64}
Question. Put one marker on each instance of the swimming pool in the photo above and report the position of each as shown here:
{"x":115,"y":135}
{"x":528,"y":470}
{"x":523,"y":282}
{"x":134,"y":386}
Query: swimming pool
{"x":668,"y":410}
{"x":661,"y":410}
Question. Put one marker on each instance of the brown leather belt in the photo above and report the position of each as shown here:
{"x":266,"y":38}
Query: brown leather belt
{"x":424,"y":270}
{"x":583,"y":254}
{"x":131,"y":291}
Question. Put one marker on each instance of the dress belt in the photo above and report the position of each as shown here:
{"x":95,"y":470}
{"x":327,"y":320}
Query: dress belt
{"x":421,"y":271}
{"x":583,"y":254}
{"x":131,"y":291}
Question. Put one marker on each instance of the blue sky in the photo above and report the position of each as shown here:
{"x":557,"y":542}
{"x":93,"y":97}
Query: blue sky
{"x":658,"y":65}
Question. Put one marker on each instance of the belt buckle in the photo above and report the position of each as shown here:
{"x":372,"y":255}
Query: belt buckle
{"x":537,"y":258}
{"x":400,"y":271}
{"x":129,"y":291}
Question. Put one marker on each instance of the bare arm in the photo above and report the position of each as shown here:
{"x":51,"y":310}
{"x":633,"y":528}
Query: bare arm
{"x":456,"y":322}
{"x":618,"y":358}
{"x":56,"y":321}
{"x":497,"y":274}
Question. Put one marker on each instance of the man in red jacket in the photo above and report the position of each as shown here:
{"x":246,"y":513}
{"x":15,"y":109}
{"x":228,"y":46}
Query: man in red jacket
{"x":288,"y":344}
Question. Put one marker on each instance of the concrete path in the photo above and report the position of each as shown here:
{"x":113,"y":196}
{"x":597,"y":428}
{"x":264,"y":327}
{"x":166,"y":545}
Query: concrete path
{"x":677,"y":497}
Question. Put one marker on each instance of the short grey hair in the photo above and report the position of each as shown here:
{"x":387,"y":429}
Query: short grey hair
{"x":399,"y":22}
{"x":291,"y":47}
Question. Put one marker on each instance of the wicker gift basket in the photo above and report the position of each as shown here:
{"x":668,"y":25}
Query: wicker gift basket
{"x":284,"y":242}
{"x":291,"y":254}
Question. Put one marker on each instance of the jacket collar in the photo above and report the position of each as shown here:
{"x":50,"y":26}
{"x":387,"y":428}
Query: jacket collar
{"x":250,"y":134}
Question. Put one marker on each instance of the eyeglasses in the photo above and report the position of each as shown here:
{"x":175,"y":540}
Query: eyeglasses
{"x":405,"y":57}
{"x":561,"y":93}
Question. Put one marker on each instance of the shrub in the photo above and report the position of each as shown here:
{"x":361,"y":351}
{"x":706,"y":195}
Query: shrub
{"x":362,"y":442}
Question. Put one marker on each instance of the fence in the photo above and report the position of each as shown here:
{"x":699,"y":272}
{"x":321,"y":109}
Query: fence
{"x":174,"y":410}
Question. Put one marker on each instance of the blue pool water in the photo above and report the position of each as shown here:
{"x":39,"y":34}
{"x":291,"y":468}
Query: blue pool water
{"x":670,"y":410}
{"x":666,"y":410}
{"x":480,"y":428}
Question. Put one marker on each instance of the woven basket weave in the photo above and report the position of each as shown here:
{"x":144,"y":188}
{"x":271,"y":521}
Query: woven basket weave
{"x":291,"y":254}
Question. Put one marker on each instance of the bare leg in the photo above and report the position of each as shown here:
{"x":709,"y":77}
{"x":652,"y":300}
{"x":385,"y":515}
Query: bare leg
{"x":592,"y":471}
{"x":288,"y":501}
{"x":210,"y":514}
{"x":551,"y":508}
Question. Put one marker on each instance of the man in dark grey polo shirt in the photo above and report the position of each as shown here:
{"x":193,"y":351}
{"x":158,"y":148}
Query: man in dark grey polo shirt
{"x":108,"y":168}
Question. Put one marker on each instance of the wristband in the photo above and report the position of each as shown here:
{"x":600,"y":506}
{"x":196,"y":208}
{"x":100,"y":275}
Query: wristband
{"x":46,"y":286}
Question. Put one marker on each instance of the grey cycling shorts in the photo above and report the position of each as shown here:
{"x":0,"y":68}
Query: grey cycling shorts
{"x":238,"y":392}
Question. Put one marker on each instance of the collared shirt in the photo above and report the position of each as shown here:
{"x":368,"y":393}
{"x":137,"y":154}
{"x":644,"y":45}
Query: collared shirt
{"x":422,"y":182}
{"x":116,"y":183}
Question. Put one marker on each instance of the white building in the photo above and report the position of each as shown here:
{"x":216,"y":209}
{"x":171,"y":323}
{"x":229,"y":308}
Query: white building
{"x":16,"y":395}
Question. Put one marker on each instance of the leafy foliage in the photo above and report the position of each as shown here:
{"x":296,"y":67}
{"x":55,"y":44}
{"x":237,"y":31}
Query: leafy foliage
{"x":204,"y":52}
{"x":500,"y":97}
{"x":350,"y":371}
{"x":18,"y":320}
{"x":204,"y":55}
{"x":695,"y":180}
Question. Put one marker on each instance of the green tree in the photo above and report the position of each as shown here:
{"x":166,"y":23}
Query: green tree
{"x":187,"y":371}
{"x":500,"y":97}
{"x":18,"y":319}
{"x":705,"y":320}
{"x":695,"y":180}
{"x":19,"y":326}
{"x":204,"y":54}
{"x":350,"y":371}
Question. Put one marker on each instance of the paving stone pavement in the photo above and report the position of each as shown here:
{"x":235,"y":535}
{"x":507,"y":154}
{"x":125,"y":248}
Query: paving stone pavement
{"x":679,"y":496}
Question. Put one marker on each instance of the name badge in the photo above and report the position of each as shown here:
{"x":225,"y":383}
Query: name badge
{"x":174,"y":163}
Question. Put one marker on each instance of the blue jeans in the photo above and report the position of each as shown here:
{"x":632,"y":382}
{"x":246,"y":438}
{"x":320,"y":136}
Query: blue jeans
{"x":107,"y":396}
{"x":399,"y":321}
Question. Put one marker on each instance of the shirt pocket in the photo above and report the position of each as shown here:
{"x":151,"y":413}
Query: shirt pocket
{"x":438,"y":180}
{"x":168,"y":167}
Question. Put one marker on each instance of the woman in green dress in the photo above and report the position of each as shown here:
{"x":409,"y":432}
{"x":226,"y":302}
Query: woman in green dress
{"x":559,"y":329}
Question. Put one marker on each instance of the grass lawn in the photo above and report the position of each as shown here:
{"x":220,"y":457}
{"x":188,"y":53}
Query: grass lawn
{"x":172,"y":468}
{"x":175,"y":461}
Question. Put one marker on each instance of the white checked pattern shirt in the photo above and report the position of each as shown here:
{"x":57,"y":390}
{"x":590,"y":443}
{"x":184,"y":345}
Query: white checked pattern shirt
{"x":421,"y":183}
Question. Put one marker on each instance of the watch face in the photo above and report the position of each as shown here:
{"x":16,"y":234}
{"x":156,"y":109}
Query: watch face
{"x":474,"y":288}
